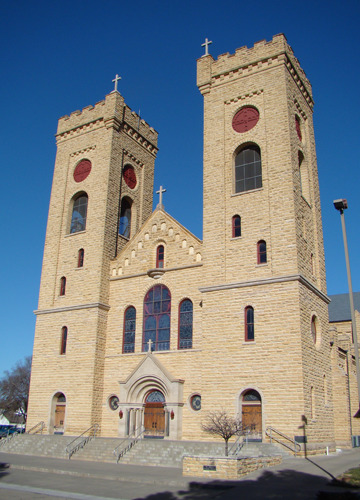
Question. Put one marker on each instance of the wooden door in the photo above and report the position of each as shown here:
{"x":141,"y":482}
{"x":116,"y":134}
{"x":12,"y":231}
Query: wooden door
{"x":251,"y":419}
{"x":154,"y":419}
{"x":59,"y":416}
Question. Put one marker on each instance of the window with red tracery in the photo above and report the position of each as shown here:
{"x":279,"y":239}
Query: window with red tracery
{"x":249,"y":324}
{"x":160,"y":253}
{"x":236,"y":226}
{"x":157,"y":308}
{"x":81,"y":257}
{"x":62,"y":285}
{"x":64,"y":332}
{"x":261,"y":252}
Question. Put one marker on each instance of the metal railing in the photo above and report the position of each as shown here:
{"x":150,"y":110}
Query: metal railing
{"x":241,"y":440}
{"x":39,"y":427}
{"x":294,"y":446}
{"x":7,"y":438}
{"x":128,"y":443}
{"x":81,"y":440}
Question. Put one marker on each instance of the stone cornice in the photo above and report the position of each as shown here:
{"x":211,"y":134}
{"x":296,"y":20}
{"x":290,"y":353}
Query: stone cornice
{"x":92,"y":305}
{"x":140,"y":139}
{"x":267,"y":281}
{"x":163,"y":271}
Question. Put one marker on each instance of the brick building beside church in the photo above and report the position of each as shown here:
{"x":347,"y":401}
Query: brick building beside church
{"x":141,"y":323}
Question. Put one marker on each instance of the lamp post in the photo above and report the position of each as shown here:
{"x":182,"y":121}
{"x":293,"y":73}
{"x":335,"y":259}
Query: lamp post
{"x":342,"y":205}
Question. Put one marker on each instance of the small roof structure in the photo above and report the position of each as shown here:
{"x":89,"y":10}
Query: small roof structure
{"x":339,"y":307}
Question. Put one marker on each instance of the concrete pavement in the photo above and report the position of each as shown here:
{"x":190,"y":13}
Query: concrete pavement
{"x":28,"y":477}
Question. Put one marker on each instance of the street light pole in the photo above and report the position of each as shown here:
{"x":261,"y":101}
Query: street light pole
{"x":341,"y":205}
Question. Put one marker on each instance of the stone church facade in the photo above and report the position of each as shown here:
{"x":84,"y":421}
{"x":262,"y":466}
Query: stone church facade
{"x":143,"y":326}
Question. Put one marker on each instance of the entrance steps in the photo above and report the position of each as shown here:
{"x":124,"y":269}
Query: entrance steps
{"x":153,"y":452}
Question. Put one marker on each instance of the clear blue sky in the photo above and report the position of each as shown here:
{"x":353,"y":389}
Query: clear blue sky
{"x":60,"y":56}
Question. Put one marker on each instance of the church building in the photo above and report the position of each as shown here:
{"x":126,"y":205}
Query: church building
{"x":144,"y":327}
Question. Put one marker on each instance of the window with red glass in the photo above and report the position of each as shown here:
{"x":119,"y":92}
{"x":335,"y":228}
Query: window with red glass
{"x":160,"y":253}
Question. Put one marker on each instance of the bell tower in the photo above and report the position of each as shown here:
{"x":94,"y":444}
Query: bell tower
{"x":101,"y":194}
{"x":263,"y":244}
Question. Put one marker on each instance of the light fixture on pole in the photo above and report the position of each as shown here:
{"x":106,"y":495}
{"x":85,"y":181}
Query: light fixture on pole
{"x":342,"y":205}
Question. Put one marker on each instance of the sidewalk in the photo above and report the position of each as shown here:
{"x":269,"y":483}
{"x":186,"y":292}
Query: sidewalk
{"x":295,"y":478}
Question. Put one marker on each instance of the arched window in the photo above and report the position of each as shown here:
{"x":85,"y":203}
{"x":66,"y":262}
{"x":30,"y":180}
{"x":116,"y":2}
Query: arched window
{"x":236,"y":226}
{"x":304,"y":177}
{"x":125,"y":218}
{"x":313,"y":328}
{"x":78,"y":218}
{"x":248,"y":169}
{"x":81,"y":257}
{"x":249,"y":324}
{"x":185,"y":324}
{"x":160,"y":256}
{"x":63,"y":285}
{"x":64,"y":332}
{"x":157,"y":308}
{"x":261,"y":252}
{"x":129,"y":329}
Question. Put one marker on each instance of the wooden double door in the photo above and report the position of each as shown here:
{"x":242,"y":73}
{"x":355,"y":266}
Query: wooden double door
{"x":59,"y":417}
{"x":251,"y":420}
{"x":154,"y":420}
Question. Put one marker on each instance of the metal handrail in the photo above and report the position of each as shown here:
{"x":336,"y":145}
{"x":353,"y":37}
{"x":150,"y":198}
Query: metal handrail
{"x":131,"y":441}
{"x":73,"y":448}
{"x":39,"y":427}
{"x":296,"y":446}
{"x":237,"y":446}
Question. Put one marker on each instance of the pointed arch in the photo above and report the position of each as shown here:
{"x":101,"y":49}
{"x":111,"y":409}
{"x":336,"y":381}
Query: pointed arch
{"x":79,"y":212}
{"x":248,"y":174}
{"x":125,"y":217}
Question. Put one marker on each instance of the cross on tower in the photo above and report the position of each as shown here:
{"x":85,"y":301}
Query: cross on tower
{"x":206,"y":45}
{"x":116,"y":79}
{"x":160,"y":193}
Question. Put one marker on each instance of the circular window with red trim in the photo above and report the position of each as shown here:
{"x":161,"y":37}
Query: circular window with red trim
{"x":82,"y":170}
{"x":245,"y":119}
{"x":129,"y":176}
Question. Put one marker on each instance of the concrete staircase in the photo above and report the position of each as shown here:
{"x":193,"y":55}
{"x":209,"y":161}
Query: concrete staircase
{"x":145,"y":452}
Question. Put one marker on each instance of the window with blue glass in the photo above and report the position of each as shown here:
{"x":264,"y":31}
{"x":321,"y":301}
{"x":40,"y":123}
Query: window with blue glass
{"x":125,"y":218}
{"x":129,"y":330}
{"x":249,"y":324}
{"x":185,"y":324}
{"x":79,"y":213}
{"x":157,"y":308}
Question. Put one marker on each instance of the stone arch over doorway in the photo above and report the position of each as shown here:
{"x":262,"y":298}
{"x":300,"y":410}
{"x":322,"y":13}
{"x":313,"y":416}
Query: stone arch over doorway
{"x":57,"y":413}
{"x":151,"y":377}
{"x":251,"y":406}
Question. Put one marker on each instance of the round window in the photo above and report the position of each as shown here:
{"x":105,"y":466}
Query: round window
{"x":114,"y":403}
{"x":195,"y":402}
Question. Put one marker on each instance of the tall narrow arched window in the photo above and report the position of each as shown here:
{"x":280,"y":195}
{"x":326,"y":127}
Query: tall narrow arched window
{"x":248,"y":174}
{"x":261,"y":252}
{"x":129,"y":329}
{"x":63,"y":285}
{"x":236,"y":226}
{"x":79,"y":213}
{"x":249,"y":324}
{"x":160,"y":253}
{"x":64,"y":332}
{"x":157,"y":308}
{"x":125,"y":218}
{"x":81,"y":254}
{"x":185,"y":324}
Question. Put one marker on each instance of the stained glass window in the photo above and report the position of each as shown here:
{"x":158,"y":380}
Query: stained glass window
{"x":78,"y":218}
{"x":81,"y":257}
{"x":125,"y":218}
{"x":114,"y":403}
{"x":155,"y":397}
{"x":261,"y":252}
{"x":160,"y":256}
{"x":129,"y":329}
{"x":251,"y":395}
{"x":185,"y":324}
{"x":248,"y":169}
{"x":157,"y":308}
{"x":249,"y":324}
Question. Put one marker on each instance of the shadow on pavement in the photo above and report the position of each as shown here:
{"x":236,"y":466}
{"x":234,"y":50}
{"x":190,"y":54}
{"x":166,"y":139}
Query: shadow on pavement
{"x":287,"y":484}
{"x":4,"y":469}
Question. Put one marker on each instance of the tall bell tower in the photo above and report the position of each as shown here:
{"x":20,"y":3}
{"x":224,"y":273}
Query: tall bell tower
{"x":263,"y":244}
{"x":101,"y":194}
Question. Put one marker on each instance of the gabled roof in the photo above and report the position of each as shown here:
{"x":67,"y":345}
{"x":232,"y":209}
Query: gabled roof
{"x":339,"y":307}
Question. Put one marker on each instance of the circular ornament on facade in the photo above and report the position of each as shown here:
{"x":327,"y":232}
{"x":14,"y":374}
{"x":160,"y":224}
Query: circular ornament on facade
{"x":82,"y":170}
{"x":245,"y":119}
{"x":114,"y":403}
{"x":195,"y":402}
{"x":129,"y":176}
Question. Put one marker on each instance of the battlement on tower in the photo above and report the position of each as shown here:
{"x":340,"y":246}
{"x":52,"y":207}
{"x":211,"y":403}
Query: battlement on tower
{"x":245,"y":60}
{"x":112,"y":110}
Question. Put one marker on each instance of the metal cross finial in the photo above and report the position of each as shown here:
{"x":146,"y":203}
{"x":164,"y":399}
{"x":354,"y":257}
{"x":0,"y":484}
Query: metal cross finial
{"x":150,"y":343}
{"x":160,"y":193}
{"x":116,"y":79}
{"x":206,"y":45}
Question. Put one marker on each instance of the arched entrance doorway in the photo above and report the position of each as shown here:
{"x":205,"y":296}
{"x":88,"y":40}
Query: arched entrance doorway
{"x":251,"y":414}
{"x":59,"y":408}
{"x":154,"y":415}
